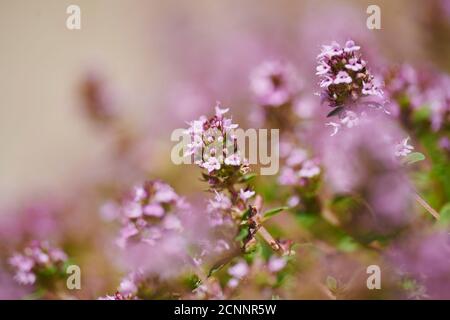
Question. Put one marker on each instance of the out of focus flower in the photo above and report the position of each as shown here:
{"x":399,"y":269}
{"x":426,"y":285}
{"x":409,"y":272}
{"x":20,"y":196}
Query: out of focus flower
{"x":402,"y":149}
{"x":293,"y":201}
{"x":274,"y":83}
{"x":425,"y":258}
{"x":36,"y":258}
{"x":444,"y":143}
{"x":149,"y":212}
{"x":239,"y":270}
{"x":245,"y":195}
{"x":298,"y":169}
{"x":118,"y":296}
{"x":411,"y":89}
{"x":276,"y":264}
{"x":363,"y":162}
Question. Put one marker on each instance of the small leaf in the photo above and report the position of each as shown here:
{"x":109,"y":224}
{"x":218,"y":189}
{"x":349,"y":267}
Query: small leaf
{"x":332,"y":283}
{"x":248,"y":177}
{"x":274,"y":211}
{"x":242,"y":234}
{"x":215,"y":268}
{"x":335,"y":111}
{"x":413,"y":157}
{"x":445,"y":214}
{"x":246,"y":214}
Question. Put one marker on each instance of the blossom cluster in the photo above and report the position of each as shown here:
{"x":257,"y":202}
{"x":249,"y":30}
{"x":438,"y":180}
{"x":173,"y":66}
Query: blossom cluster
{"x":299,"y":169}
{"x":242,"y":269}
{"x":348,"y":85}
{"x":274,"y":83}
{"x":149,"y":211}
{"x":411,"y":89}
{"x":36,"y":260}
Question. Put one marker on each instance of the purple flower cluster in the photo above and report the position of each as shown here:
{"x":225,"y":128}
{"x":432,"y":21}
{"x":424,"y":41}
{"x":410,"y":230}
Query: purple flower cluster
{"x":425,"y":258}
{"x":241,"y":269}
{"x":149,"y":211}
{"x":214,"y":147}
{"x":35,"y":259}
{"x":344,"y":75}
{"x":410,"y":89}
{"x":347,"y":84}
{"x":274,"y":83}
{"x":298,"y":169}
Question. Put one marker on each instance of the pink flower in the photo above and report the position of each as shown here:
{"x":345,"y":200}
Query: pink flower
{"x":25,"y":278}
{"x":354,"y":65}
{"x":345,"y":80}
{"x":154,"y":210}
{"x":211,"y":164}
{"x":127,"y":287}
{"x":239,"y":270}
{"x":287,"y":177}
{"x":245,"y":195}
{"x":36,"y":258}
{"x":21,"y":262}
{"x":139,"y":194}
{"x":309,"y":169}
{"x":132,"y":210}
{"x":402,"y":149}
{"x":350,"y":119}
{"x":276,"y":264}
{"x":139,"y":223}
{"x":219,"y":111}
{"x":342,"y":77}
{"x":322,"y":69}
{"x":233,"y":160}
{"x":350,"y":47}
{"x":371,"y":89}
{"x":221,"y":201}
{"x":329,"y":51}
{"x":274,"y":83}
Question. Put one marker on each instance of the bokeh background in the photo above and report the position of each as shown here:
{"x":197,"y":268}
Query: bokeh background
{"x":146,"y":51}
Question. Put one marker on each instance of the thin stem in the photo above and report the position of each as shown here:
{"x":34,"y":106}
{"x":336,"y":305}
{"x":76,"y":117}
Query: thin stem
{"x":274,"y":244}
{"x":426,"y":206}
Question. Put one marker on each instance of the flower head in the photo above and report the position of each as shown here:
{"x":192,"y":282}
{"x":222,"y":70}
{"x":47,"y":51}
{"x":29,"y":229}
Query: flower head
{"x":274,"y":83}
{"x":403,"y":148}
{"x":37,"y":257}
{"x":148,"y":212}
{"x":345,"y":80}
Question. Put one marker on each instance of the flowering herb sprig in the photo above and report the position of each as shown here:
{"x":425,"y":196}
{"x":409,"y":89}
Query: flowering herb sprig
{"x":217,"y":152}
{"x":275,"y":86}
{"x":214,"y":147}
{"x":148,"y":212}
{"x":39,"y":264}
{"x":347,"y":85}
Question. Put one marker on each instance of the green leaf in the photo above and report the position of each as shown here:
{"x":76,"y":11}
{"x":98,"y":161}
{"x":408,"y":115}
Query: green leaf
{"x":445,"y":214}
{"x":245,"y":215}
{"x":347,"y":244}
{"x":413,"y":157}
{"x":272,"y":212}
{"x":335,"y":111}
{"x":248,"y":177}
{"x":332,"y":283}
{"x":242,"y":234}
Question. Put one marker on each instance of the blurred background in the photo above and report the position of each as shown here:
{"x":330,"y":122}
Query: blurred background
{"x":147,"y":50}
